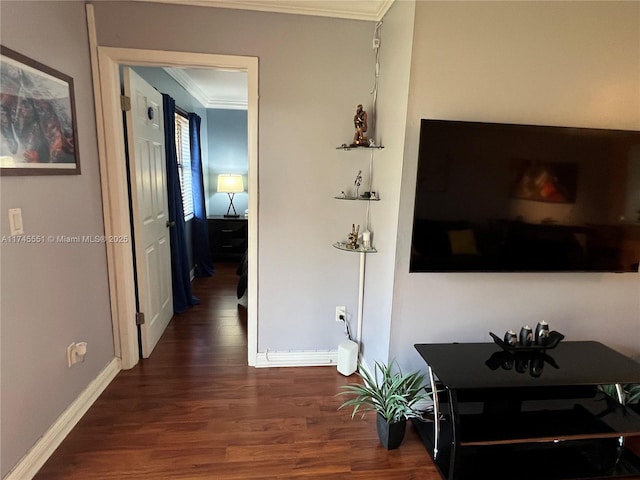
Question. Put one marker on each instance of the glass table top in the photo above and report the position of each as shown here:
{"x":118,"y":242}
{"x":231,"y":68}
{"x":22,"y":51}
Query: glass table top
{"x":486,"y":365}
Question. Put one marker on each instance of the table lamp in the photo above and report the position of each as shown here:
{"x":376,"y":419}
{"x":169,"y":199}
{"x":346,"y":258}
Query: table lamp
{"x":230,"y":184}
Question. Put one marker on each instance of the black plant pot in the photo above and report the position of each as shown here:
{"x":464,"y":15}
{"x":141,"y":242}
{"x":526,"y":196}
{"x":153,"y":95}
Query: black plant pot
{"x":390,"y":434}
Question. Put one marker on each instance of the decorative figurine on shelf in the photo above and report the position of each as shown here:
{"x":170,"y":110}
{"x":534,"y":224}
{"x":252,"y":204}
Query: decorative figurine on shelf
{"x":352,"y":244}
{"x":360,"y":122}
{"x":356,"y":184}
{"x":541,"y":335}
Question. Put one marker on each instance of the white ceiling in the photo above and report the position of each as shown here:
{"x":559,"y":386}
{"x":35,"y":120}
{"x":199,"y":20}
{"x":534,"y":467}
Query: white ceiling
{"x":214,"y":88}
{"x":228,"y":89}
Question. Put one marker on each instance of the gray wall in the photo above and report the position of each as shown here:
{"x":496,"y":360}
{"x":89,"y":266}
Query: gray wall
{"x":52,"y":294}
{"x":313,"y":73}
{"x":565,"y":63}
{"x":395,"y":63}
{"x":554,"y":63}
{"x":228,"y":153}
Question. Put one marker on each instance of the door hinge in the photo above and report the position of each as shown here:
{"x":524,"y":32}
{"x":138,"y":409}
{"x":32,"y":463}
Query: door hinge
{"x":125,"y":103}
{"x":139,"y":318}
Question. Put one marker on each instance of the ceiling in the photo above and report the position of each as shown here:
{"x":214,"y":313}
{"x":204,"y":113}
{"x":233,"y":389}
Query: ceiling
{"x":214,"y":88}
{"x":228,"y":89}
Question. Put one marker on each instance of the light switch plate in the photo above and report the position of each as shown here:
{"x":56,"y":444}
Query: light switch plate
{"x":15,"y":221}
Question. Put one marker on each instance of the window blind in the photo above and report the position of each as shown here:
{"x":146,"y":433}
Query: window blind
{"x":183,"y":152}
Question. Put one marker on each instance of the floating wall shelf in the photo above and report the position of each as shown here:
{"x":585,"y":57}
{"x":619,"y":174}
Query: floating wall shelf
{"x":360,"y":249}
{"x":363,"y":199}
{"x":346,"y":147}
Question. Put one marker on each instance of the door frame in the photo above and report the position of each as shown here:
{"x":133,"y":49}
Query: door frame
{"x":106,"y":63}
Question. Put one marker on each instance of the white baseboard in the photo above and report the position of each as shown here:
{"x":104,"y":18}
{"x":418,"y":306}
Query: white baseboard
{"x":299,"y":358}
{"x":35,"y":458}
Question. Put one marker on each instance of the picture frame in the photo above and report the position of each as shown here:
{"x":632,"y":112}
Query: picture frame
{"x":38,"y":132}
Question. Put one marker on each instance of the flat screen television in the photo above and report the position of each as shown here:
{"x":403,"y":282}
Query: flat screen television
{"x":523,"y":198}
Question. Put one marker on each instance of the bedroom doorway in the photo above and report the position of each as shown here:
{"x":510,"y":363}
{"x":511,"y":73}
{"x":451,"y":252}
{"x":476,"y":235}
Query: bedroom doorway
{"x":220,"y":98}
{"x":106,"y":63}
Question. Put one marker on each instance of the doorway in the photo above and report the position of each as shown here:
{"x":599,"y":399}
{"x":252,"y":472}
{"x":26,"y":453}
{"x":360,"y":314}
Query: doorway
{"x":219,"y":98}
{"x":106,"y":64}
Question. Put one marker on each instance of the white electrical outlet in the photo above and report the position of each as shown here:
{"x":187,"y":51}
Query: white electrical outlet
{"x":341,"y":314}
{"x":76,"y":353}
{"x":71,"y":354}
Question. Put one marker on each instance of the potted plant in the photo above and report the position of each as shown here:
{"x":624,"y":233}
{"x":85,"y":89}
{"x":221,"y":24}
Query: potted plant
{"x":630,"y":394}
{"x":392,"y":395}
{"x":633,"y":396}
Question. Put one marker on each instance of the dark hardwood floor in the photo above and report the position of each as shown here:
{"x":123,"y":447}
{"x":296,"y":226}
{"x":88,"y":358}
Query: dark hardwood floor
{"x":195,"y":410}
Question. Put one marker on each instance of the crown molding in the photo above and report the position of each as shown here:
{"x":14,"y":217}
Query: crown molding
{"x":188,"y":84}
{"x":196,"y":92}
{"x":227,"y":104}
{"x":369,"y":10}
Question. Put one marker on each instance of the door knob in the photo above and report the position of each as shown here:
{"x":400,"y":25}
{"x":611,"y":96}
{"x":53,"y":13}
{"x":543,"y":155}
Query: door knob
{"x":170,"y":224}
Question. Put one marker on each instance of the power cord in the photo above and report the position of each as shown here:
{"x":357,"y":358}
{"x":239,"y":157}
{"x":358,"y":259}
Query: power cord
{"x":347,"y":329}
{"x":374,"y":89}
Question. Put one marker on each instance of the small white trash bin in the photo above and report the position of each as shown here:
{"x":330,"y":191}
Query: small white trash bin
{"x":347,"y":357}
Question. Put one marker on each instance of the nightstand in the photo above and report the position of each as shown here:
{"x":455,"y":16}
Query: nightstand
{"x":228,"y":237}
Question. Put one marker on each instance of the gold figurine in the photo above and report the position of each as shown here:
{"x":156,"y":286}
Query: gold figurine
{"x":353,"y":238}
{"x":360,"y":122}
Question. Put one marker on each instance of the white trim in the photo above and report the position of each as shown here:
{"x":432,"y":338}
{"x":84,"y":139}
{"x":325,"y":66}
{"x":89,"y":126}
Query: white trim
{"x":114,"y":185}
{"x":115,"y":197}
{"x":370,"y":10}
{"x":194,"y":89}
{"x":35,"y":458}
{"x":112,"y":268}
{"x":188,"y":84}
{"x":254,"y":212}
{"x":300,"y":358}
{"x":221,"y":104}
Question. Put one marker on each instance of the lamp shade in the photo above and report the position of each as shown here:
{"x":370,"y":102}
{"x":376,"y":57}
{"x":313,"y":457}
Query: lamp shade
{"x":230,"y":183}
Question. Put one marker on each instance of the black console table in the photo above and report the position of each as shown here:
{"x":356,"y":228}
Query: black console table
{"x":529,"y":416}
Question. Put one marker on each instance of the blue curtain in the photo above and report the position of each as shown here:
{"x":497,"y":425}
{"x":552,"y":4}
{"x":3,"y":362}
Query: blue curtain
{"x":182,"y":296}
{"x":199,"y":230}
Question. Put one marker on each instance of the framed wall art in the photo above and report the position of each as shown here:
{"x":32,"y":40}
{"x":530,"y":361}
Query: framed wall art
{"x":38,"y":134}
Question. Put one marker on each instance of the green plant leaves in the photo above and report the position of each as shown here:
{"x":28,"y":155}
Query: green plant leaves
{"x":630,"y":392}
{"x":633,"y":393}
{"x":391,"y":394}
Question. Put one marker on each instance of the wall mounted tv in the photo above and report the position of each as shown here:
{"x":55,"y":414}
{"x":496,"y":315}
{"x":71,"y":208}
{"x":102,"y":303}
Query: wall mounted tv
{"x":523,"y":198}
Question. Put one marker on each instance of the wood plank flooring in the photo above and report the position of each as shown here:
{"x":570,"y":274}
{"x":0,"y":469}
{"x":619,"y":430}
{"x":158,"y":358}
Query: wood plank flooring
{"x":195,"y":410}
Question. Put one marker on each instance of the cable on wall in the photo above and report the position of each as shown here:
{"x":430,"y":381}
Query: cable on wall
{"x":374,"y":90}
{"x":366,"y":223}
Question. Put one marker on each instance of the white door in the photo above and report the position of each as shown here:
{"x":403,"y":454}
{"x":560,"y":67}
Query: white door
{"x":145,"y":139}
